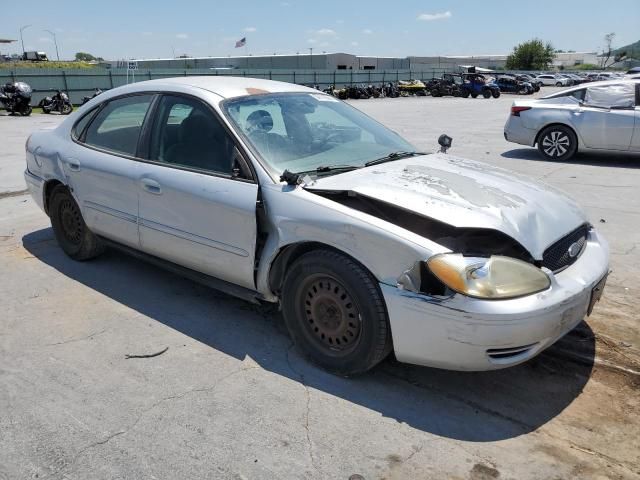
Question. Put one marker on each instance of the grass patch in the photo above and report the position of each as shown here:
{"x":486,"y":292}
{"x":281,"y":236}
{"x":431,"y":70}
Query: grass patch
{"x":47,"y":65}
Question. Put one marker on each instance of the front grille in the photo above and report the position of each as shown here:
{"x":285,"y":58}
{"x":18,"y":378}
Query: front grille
{"x":557,"y":256}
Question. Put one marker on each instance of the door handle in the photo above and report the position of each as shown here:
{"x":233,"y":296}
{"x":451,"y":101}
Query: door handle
{"x":151,"y":186}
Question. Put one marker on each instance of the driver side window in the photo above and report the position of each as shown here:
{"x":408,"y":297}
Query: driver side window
{"x":187,"y":134}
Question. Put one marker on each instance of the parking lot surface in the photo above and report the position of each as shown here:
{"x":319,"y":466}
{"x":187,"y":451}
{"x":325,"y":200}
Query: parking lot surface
{"x":231,"y":397}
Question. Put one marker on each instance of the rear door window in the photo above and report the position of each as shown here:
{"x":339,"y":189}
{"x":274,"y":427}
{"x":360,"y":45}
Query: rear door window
{"x":117,"y":126}
{"x":611,"y":96}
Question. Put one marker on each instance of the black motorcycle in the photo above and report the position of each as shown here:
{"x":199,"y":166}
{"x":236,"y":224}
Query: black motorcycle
{"x":391,"y":90}
{"x":15,"y":98}
{"x":58,"y":103}
{"x":89,"y":97}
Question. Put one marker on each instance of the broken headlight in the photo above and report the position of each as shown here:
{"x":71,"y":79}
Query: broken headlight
{"x":495,"y":277}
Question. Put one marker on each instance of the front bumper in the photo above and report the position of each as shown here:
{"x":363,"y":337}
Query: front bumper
{"x":462,"y":333}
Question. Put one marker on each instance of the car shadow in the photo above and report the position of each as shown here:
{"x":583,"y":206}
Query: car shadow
{"x":626,"y":160}
{"x":471,"y":406}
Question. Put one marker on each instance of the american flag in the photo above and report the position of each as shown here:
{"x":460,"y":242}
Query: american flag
{"x":241,"y":42}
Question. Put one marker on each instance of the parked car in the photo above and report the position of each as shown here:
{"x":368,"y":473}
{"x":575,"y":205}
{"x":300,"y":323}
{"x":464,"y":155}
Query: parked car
{"x":599,"y":116}
{"x":529,"y":79}
{"x":282,"y":194}
{"x":549,"y":79}
{"x":508,"y":84}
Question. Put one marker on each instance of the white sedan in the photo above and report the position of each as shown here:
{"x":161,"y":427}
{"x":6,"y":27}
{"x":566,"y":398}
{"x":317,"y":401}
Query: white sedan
{"x":279,"y":193}
{"x":597,"y":117}
{"x":553,"y":80}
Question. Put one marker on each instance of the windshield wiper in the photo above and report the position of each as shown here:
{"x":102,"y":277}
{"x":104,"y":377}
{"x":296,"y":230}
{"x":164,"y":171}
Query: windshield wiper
{"x":294,"y":178}
{"x":391,"y":157}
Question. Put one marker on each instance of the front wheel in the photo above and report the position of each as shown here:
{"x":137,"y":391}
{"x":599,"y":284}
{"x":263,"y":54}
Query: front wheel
{"x":486,"y":93}
{"x":335,"y":312}
{"x":496,"y":93}
{"x":66,"y":109}
{"x":557,"y":142}
{"x":558,"y":84}
{"x":73,"y":235}
{"x":26,"y":111}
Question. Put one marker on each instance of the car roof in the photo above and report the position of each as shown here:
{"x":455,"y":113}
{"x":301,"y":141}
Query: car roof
{"x":602,"y":83}
{"x":222,"y":85}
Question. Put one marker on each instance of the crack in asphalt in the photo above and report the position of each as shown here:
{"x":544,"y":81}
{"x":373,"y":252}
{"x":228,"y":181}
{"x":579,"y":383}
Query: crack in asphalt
{"x":111,"y":436}
{"x":72,"y":340}
{"x":308,"y":409}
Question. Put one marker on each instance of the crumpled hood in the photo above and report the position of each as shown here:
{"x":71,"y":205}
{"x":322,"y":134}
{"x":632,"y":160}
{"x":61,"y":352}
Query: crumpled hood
{"x":465,"y":193}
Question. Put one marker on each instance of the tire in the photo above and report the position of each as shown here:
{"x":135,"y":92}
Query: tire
{"x":26,"y":111}
{"x":474,"y":95}
{"x":66,"y":109}
{"x":335,"y":313}
{"x":495,"y":93}
{"x":435,"y":92}
{"x":466,"y":95}
{"x":46,"y":110}
{"x":486,"y":93}
{"x":558,"y":84}
{"x":72,"y":234}
{"x":557,"y":142}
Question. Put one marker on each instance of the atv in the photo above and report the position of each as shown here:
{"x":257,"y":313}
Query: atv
{"x":446,"y":85}
{"x":474,"y":84}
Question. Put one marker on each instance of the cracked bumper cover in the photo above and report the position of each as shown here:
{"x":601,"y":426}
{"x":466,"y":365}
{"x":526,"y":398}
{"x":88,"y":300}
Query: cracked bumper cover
{"x":456,"y":333}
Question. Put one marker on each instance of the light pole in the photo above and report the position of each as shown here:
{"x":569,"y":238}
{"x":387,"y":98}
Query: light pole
{"x":56,"y":43}
{"x":21,"y":40}
{"x":311,"y":57}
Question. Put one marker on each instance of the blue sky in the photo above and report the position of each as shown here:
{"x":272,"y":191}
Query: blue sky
{"x":158,"y":28}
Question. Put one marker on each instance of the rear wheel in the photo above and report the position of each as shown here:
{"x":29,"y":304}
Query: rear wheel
{"x":466,"y":95}
{"x":66,"y":109}
{"x":73,"y":235}
{"x":495,"y":93}
{"x":557,"y":142}
{"x":486,"y":93}
{"x":435,"y":92}
{"x":558,"y":84}
{"x":335,"y":312}
{"x":26,"y":111}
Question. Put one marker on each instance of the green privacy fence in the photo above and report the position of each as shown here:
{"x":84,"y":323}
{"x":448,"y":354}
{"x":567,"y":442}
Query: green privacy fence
{"x":79,"y":83}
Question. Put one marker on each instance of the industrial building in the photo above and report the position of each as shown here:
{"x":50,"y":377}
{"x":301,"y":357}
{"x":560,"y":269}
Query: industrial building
{"x":344,"y":61}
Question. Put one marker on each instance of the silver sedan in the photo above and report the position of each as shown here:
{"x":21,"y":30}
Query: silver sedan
{"x":281,"y":194}
{"x":599,"y":116}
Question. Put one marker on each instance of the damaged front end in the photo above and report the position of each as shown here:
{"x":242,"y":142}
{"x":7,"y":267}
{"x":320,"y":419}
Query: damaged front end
{"x":476,"y":243}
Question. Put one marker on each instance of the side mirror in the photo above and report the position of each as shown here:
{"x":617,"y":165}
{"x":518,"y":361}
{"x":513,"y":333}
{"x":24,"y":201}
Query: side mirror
{"x":445,"y":142}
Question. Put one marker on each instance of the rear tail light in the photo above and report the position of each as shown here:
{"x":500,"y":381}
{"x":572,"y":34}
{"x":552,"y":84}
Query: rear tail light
{"x":515,"y":111}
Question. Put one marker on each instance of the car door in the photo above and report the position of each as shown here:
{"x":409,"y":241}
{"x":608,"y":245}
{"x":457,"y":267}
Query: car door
{"x":606,"y":117}
{"x":101,"y":166}
{"x":197,"y":204}
{"x":635,"y":140}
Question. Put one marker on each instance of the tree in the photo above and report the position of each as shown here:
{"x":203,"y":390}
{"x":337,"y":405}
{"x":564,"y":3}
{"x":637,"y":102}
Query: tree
{"x":618,"y":55}
{"x":606,"y":53}
{"x":84,"y":57}
{"x":531,"y":55}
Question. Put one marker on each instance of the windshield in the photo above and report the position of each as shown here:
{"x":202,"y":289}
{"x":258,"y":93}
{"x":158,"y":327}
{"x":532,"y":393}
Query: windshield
{"x":302,"y":132}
